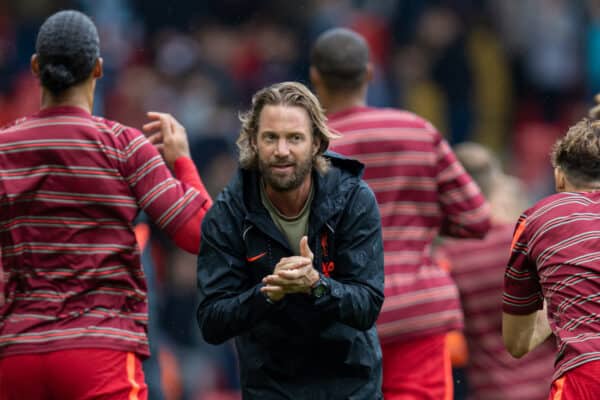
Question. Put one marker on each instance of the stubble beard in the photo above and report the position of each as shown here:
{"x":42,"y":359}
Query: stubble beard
{"x":281,"y":183}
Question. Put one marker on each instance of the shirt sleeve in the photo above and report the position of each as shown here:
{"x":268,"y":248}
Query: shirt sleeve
{"x":466,"y":212}
{"x":168,"y":201}
{"x":522,"y":290}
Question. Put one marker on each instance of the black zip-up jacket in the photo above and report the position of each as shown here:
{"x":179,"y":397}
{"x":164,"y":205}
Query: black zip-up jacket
{"x":299,"y":347}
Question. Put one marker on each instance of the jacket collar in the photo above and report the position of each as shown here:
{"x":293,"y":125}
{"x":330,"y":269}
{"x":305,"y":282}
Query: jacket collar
{"x":330,"y":194}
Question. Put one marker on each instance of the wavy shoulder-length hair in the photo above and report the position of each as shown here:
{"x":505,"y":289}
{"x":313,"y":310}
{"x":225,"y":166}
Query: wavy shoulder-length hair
{"x":291,"y":94}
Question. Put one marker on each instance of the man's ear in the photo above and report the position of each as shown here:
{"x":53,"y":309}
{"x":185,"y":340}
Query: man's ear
{"x":316,"y":145}
{"x":98,"y":70}
{"x":35,"y":65}
{"x":369,"y":73}
{"x":560,"y":180}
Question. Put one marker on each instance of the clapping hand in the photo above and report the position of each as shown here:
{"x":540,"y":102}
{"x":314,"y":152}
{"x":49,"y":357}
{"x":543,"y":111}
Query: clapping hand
{"x":294,"y":274}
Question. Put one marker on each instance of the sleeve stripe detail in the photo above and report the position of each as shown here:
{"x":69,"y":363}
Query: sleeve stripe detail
{"x":176,"y":208}
{"x":156,"y":191}
{"x":154,"y":162}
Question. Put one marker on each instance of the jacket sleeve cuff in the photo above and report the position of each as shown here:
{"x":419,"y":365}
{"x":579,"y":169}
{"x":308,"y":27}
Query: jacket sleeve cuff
{"x":262,"y":302}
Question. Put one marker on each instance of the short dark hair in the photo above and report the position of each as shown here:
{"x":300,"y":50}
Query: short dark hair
{"x":578,"y":153}
{"x":341,"y":56}
{"x":67,"y":47}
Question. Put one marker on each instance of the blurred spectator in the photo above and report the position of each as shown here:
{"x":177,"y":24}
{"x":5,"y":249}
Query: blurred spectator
{"x":530,"y":155}
{"x":551,"y":51}
{"x":592,"y":50}
{"x":216,"y":161}
{"x":442,"y":33}
{"x":492,"y":86}
{"x":415,"y":87}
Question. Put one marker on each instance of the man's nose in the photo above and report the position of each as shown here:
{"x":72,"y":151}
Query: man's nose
{"x":282,"y":148}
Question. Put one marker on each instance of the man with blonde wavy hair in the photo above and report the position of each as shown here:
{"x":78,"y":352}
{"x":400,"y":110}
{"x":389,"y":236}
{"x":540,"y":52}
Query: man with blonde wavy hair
{"x":291,"y":262}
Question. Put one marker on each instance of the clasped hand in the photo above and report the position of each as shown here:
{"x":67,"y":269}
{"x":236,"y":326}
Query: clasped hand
{"x":292,"y":274}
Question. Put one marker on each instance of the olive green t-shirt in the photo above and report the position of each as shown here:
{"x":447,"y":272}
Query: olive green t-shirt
{"x":293,"y":228}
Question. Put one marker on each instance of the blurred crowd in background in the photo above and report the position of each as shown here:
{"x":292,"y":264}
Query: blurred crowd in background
{"x":510,"y":74}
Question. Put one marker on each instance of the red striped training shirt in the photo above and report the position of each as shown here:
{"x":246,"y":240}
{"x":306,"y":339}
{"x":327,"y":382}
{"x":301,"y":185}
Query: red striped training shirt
{"x":556,"y":258}
{"x":421,"y":189}
{"x":477,"y":267}
{"x":71,"y":185}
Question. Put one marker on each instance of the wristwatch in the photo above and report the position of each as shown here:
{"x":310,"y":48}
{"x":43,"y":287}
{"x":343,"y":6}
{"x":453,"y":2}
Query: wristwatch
{"x":319,"y":289}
